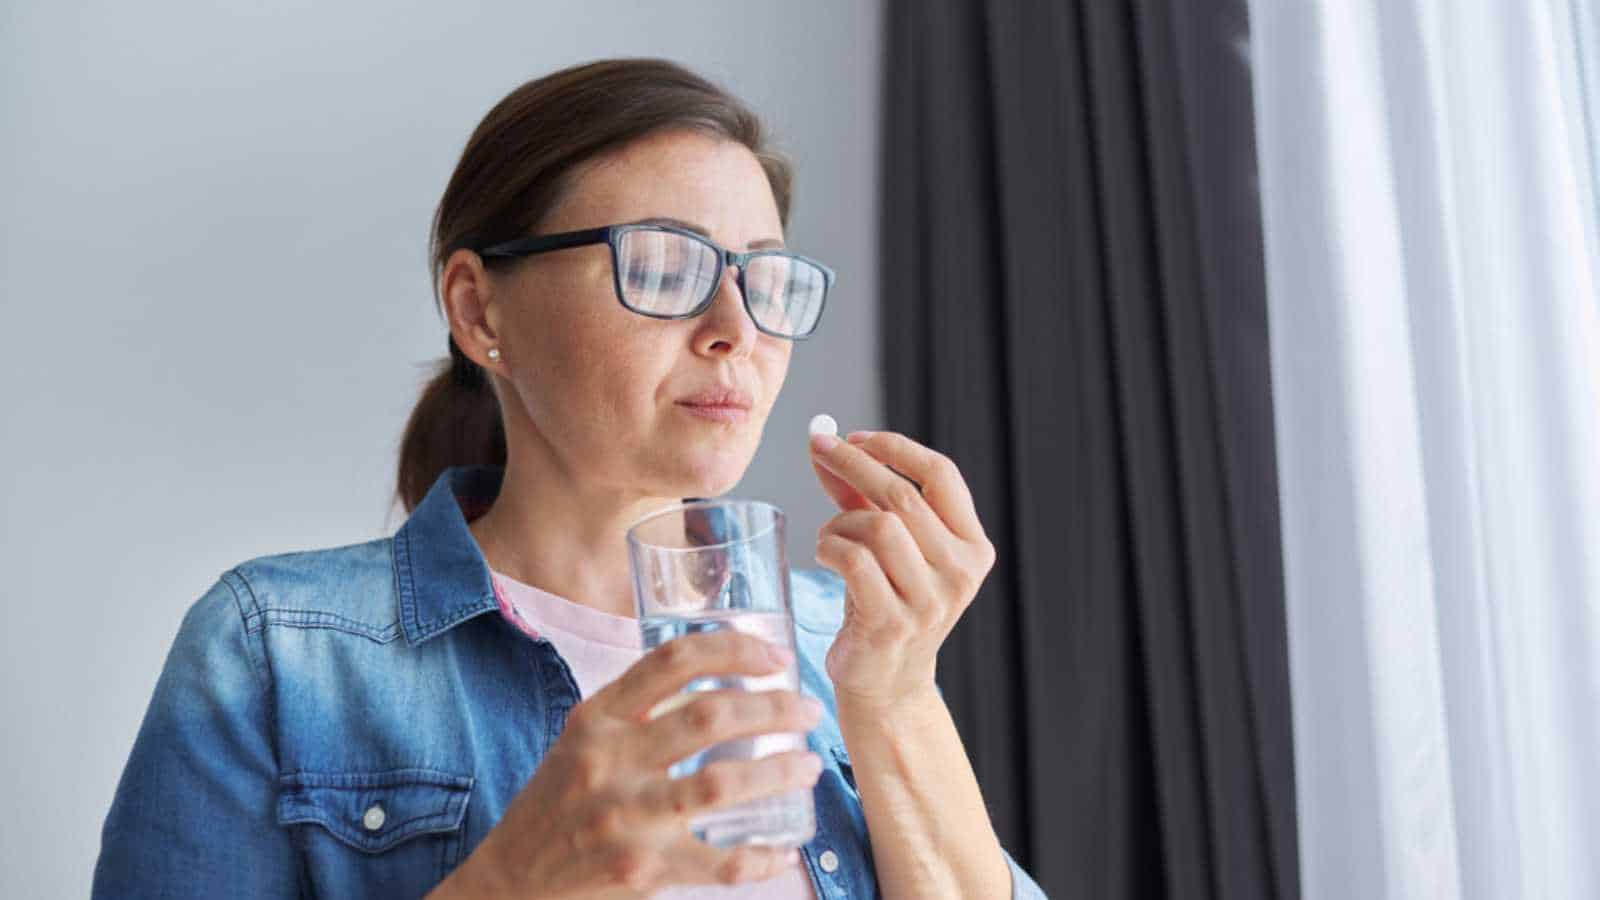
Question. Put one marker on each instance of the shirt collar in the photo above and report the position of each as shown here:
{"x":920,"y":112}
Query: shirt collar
{"x":439,"y":570}
{"x":443,"y":579}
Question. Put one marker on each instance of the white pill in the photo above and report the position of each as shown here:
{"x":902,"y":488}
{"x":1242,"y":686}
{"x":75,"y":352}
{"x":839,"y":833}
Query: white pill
{"x":823,"y":423}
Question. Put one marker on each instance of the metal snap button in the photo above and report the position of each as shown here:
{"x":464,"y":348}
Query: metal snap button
{"x":830,"y":860}
{"x":374,"y":817}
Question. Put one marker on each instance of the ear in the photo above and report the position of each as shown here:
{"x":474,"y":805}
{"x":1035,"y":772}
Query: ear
{"x":466,"y":289}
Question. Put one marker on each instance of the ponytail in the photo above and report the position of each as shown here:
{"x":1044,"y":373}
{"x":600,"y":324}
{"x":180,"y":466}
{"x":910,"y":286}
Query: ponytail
{"x":456,"y":422}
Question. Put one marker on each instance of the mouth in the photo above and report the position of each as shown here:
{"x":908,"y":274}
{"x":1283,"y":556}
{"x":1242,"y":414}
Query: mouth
{"x":720,"y":404}
{"x":717,"y":412}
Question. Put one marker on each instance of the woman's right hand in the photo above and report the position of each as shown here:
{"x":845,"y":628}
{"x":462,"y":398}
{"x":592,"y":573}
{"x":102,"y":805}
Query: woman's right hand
{"x":602,"y":819}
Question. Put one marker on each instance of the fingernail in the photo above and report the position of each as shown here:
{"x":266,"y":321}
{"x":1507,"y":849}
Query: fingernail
{"x":813,"y":704}
{"x":856,"y":437}
{"x":823,"y":442}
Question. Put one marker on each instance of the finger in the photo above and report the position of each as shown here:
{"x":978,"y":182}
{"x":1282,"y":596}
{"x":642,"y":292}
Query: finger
{"x":887,"y":489}
{"x":895,"y":551}
{"x":726,"y":783}
{"x":658,"y":853}
{"x":667,"y":669}
{"x":712,"y":717}
{"x":943,"y":488}
{"x":696,"y":862}
{"x":869,"y":595}
{"x":843,"y":495}
{"x":680,"y":800}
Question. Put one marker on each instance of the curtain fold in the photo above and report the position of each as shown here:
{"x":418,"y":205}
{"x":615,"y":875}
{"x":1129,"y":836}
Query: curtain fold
{"x":1073,"y":308}
{"x":1435,"y":332}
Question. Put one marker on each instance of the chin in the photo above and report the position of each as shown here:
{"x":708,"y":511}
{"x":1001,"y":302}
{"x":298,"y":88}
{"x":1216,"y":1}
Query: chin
{"x":713,"y":476}
{"x":711,"y":485}
{"x":705,"y":468}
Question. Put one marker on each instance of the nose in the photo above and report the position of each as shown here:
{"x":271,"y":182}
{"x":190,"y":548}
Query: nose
{"x":725,"y":329}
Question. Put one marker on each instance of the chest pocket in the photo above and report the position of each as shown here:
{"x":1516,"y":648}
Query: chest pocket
{"x":387,"y":833}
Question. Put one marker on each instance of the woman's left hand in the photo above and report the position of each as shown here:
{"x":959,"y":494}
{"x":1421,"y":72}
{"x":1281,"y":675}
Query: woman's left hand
{"x":912,"y":560}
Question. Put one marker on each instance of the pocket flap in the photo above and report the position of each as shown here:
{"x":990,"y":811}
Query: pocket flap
{"x":373,"y":811}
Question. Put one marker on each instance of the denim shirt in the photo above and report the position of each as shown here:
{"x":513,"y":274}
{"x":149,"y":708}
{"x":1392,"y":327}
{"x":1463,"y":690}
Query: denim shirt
{"x":352,"y":721}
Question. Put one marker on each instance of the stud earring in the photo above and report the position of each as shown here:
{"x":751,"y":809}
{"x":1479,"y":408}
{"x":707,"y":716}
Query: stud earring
{"x":494,"y":352}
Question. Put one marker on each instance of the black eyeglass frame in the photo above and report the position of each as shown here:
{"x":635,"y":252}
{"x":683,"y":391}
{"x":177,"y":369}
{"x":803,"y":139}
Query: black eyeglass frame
{"x":612,"y":235}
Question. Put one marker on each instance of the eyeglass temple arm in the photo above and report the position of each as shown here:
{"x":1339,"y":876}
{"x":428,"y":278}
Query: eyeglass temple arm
{"x":546,"y":242}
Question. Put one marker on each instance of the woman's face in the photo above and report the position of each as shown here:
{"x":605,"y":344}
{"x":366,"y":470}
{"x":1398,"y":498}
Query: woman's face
{"x":603,"y":389}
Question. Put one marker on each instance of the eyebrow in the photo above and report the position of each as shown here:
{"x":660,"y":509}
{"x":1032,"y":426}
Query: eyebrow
{"x":701,"y":230}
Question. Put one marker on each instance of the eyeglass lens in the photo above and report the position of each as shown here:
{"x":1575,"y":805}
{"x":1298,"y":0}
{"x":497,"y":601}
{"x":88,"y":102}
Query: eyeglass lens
{"x":663,"y":273}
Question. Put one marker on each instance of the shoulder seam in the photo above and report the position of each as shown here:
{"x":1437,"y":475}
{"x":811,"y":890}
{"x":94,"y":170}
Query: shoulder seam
{"x":248,"y":611}
{"x":382,"y":626}
{"x":254,"y":641}
{"x":312,"y":618}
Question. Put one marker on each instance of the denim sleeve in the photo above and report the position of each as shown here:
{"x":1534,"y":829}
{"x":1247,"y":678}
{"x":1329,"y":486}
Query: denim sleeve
{"x":1023,"y":887}
{"x":194,"y":814}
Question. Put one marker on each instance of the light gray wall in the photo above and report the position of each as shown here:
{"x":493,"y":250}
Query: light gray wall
{"x":217,"y":309}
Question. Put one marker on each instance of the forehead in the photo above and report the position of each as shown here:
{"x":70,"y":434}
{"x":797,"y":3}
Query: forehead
{"x":681,"y":174}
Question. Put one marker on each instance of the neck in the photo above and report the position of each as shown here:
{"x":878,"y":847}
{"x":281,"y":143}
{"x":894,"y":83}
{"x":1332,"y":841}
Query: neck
{"x":550,"y":530}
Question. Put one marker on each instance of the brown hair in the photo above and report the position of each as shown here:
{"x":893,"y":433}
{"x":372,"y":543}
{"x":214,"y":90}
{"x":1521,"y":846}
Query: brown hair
{"x":513,"y":172}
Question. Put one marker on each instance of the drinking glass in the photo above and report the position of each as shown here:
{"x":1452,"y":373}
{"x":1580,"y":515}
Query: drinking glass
{"x":704,"y":565}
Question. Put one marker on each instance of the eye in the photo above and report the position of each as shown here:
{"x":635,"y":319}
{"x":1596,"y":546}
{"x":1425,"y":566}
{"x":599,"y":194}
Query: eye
{"x":654,"y":278}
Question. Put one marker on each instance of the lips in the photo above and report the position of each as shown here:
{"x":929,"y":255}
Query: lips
{"x":719,"y":398}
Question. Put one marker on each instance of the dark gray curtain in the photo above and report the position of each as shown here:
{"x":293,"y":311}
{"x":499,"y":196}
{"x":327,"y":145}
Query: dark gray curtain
{"x":1074,"y":309}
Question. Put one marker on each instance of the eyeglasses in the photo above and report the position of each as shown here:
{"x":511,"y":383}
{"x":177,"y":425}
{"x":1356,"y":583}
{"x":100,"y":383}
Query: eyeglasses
{"x":667,"y":272}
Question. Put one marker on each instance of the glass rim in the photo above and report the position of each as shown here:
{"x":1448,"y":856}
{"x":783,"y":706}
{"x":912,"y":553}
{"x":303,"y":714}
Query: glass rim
{"x":685,"y":506}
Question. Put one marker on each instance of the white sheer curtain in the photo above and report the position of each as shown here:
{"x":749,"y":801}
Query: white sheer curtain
{"x":1430,"y":224}
{"x":1586,"y":35}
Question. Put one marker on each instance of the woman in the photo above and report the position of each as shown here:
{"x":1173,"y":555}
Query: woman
{"x":345,"y":722}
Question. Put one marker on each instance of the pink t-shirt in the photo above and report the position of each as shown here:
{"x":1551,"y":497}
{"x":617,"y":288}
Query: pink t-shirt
{"x":598,"y":647}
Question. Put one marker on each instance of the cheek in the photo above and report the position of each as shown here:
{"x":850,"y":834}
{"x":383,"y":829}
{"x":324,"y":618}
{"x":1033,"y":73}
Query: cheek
{"x":593,"y":379}
{"x":774,"y":367}
{"x":614,"y":381}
